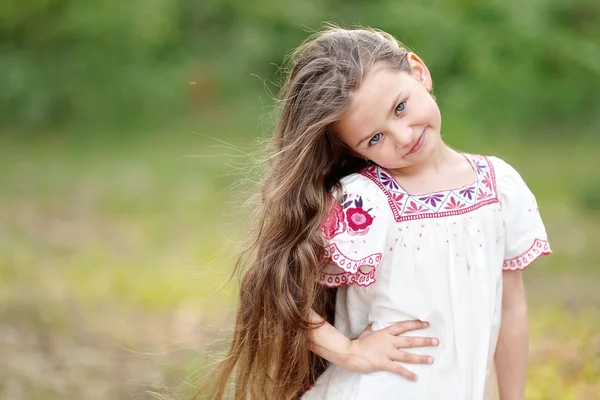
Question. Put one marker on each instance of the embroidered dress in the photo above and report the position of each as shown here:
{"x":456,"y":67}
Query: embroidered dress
{"x":437,"y":257}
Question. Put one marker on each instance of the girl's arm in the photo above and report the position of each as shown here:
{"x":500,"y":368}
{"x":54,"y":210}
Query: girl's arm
{"x":513,"y":342}
{"x":371,"y":351}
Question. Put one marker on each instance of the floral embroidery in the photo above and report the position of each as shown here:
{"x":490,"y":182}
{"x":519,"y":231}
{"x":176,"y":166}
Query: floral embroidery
{"x":482,"y":195}
{"x":487,"y":181}
{"x":439,"y":204}
{"x":344,"y":218}
{"x":358,"y":219}
{"x":539,"y":248}
{"x":415,"y":208}
{"x":397,"y":198}
{"x":389,"y":181}
{"x":479,"y":167}
{"x":432,"y":199}
{"x":454,"y":204}
{"x":334,"y":223}
{"x":468,"y":192}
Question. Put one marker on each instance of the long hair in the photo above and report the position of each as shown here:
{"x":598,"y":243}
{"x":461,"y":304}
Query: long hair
{"x":271,"y":341}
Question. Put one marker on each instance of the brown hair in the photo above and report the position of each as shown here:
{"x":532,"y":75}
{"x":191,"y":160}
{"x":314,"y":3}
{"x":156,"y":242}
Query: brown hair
{"x":270,"y":347}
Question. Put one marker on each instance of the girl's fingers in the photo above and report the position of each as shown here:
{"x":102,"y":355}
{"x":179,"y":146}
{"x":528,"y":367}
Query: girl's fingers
{"x":406,"y":326}
{"x":400,"y":370}
{"x":405,"y":342}
{"x":410,"y":358}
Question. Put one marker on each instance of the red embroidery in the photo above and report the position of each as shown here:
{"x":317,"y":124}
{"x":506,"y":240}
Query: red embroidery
{"x":334,"y":223}
{"x":539,"y":248}
{"x":358,"y":219}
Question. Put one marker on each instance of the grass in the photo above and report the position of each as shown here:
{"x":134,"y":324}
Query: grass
{"x":112,"y":250}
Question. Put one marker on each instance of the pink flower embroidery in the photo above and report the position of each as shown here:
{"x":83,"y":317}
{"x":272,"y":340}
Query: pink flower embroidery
{"x":397,"y":197}
{"x":334,"y":223}
{"x":453,"y":204}
{"x":414,"y":208}
{"x":487,"y":181}
{"x":482,"y":195}
{"x":358,"y":219}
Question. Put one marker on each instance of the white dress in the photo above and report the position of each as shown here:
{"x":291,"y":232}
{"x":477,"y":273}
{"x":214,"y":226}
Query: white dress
{"x":436,"y":257}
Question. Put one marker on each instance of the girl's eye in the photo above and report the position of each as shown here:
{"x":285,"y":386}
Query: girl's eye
{"x":375,"y":139}
{"x":400,"y":107}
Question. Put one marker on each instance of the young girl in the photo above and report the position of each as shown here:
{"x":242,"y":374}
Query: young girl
{"x":362,"y":195}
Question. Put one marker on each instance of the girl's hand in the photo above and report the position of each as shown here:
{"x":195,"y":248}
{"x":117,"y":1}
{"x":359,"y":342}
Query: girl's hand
{"x":379,"y":351}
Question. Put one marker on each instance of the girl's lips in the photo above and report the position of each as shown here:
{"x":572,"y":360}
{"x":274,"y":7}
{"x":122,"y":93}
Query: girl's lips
{"x":419,"y":143}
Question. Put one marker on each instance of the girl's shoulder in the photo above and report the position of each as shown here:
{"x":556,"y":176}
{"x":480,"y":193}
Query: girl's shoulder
{"x":361,"y":183}
{"x":500,"y":172}
{"x":500,"y":166}
{"x":507,"y":177}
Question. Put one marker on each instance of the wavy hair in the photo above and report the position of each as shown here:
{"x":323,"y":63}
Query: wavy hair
{"x":270,"y":352}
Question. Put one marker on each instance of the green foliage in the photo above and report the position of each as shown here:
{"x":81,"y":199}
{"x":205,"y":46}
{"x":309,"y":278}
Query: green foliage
{"x":590,"y":196}
{"x":82,"y":61}
{"x":498,"y":65}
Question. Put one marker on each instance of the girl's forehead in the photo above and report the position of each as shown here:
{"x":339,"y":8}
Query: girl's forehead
{"x":381,"y":86}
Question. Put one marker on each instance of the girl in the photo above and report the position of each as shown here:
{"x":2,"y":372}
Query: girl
{"x":368,"y":219}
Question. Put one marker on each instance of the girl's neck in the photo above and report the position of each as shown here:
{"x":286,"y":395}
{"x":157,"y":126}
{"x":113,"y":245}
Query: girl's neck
{"x":440,"y":159}
{"x":445,"y":170}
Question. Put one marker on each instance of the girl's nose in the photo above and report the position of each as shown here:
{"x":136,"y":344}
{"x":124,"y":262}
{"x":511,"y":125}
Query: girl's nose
{"x":402,"y":135}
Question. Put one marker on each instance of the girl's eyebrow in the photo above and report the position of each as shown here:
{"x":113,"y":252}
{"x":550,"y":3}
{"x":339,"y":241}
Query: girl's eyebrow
{"x":392,"y":110}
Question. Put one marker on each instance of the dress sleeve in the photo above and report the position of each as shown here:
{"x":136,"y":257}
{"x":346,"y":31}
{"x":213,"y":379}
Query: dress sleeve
{"x":355,"y":232}
{"x":526,"y":239}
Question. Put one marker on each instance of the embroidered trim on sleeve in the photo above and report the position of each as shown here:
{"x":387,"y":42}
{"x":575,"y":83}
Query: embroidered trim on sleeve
{"x":351,"y":270}
{"x":538,"y":248}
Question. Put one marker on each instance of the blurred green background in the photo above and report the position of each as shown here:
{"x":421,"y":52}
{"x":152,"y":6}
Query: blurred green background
{"x":126,"y":128}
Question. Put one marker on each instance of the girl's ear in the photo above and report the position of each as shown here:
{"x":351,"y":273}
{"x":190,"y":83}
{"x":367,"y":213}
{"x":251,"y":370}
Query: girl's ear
{"x":420,"y":70}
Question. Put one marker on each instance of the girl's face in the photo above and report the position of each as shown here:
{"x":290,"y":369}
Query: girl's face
{"x":393,"y":120}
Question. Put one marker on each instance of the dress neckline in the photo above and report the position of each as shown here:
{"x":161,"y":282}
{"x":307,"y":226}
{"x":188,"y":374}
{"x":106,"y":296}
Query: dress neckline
{"x":401,"y":189}
{"x":406,"y":206}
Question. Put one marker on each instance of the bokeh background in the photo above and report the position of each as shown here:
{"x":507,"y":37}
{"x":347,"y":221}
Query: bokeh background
{"x":127,"y":126}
